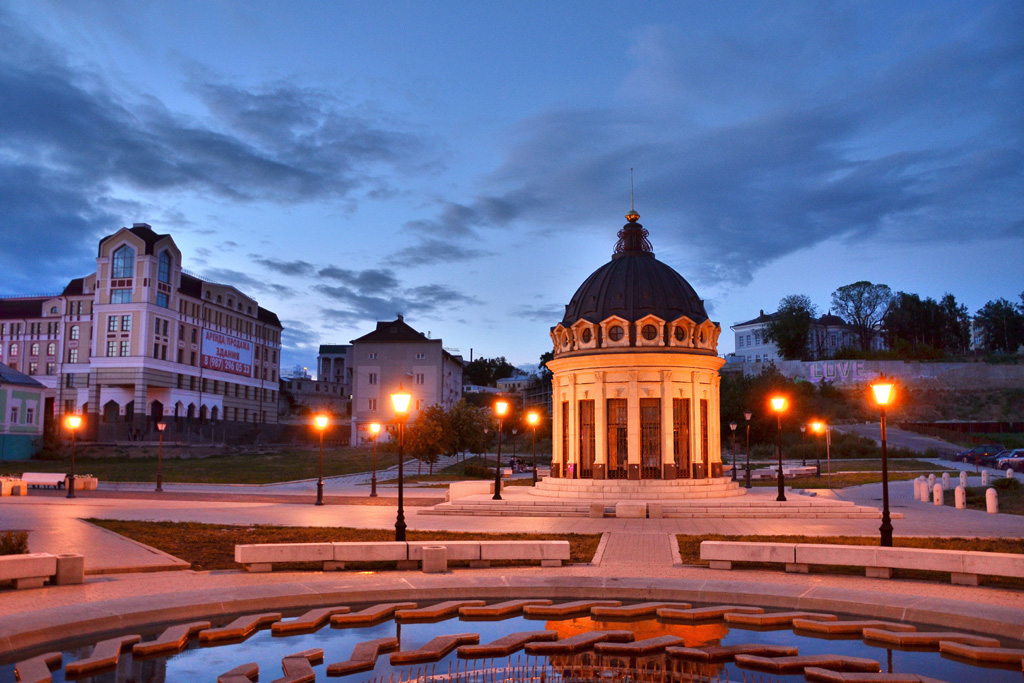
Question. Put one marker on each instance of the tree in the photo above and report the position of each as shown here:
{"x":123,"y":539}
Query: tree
{"x":790,"y":327}
{"x":863,"y":305}
{"x":1002,"y":325}
{"x":426,"y":438}
{"x":956,"y":325}
{"x":487,"y":371}
{"x":546,"y":375}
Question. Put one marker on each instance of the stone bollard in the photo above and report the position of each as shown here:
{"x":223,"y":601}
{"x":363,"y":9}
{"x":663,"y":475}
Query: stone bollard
{"x":984,"y":477}
{"x":1009,"y":473}
{"x":931,"y":481}
{"x":435,"y":559}
{"x":963,"y":479}
{"x":945,"y":481}
{"x":937,"y":494}
{"x":960,"y":496}
{"x":991,"y":501}
{"x":922,"y":489}
{"x":917,"y":488}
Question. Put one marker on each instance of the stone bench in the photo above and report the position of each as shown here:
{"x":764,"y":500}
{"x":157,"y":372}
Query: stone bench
{"x":32,"y":570}
{"x":54,"y":479}
{"x":13,"y":487}
{"x":964,"y":567}
{"x":406,"y":555}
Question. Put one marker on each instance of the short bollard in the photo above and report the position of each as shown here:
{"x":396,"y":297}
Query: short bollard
{"x":931,"y":481}
{"x":963,"y":479}
{"x":991,"y":501}
{"x":984,"y":477}
{"x":435,"y":559}
{"x":918,"y":488}
{"x":945,"y":481}
{"x":937,"y":494}
{"x":1009,"y":473}
{"x":960,"y":496}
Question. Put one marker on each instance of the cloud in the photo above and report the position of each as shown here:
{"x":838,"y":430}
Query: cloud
{"x":298,"y":335}
{"x":550,"y":313}
{"x":428,"y":251}
{"x":245,"y":283}
{"x":358,"y":308}
{"x":292,"y":268}
{"x":364,"y":281}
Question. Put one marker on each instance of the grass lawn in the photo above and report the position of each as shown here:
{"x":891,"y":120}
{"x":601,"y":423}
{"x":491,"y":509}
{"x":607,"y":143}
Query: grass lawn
{"x":839,"y":481}
{"x":261,"y":467}
{"x":212,"y":546}
{"x":1011,"y":496}
{"x":689,"y":550}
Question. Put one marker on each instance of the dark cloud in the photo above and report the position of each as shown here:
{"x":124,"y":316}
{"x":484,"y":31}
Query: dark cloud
{"x":359,"y":308}
{"x":298,"y":335}
{"x":292,"y":268}
{"x":69,"y":138}
{"x":550,"y":313}
{"x":373,"y":280}
{"x":431,"y":250}
{"x":245,"y":283}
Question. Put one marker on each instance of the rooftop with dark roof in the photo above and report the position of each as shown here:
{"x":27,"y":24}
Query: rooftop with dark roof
{"x":394,"y":331}
{"x":9,"y":375}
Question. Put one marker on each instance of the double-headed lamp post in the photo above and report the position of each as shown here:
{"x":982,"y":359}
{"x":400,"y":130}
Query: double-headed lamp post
{"x":500,"y":409}
{"x":747,"y":415}
{"x":160,"y":427}
{"x":72,"y":422}
{"x":883,"y":391}
{"x":732,"y":427}
{"x":533,"y":419}
{"x":375,"y":430}
{"x":400,"y":401}
{"x":779,"y":406}
{"x":321,"y":424}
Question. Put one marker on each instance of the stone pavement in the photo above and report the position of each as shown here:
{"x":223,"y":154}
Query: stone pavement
{"x":624,"y":552}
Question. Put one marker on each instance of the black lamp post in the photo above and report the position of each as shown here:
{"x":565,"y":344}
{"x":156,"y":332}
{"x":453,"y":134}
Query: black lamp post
{"x":803,"y":453}
{"x":321,"y":424}
{"x":747,"y":414}
{"x":160,"y":427}
{"x":375,"y":430}
{"x":533,"y":418}
{"x":73,"y":422}
{"x":732,"y":427}
{"x":779,"y":405}
{"x":400,"y":402}
{"x":883,"y":396}
{"x":500,"y":408}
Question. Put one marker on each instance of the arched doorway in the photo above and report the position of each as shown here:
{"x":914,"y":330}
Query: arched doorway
{"x":156,"y":410}
{"x":111,"y":411}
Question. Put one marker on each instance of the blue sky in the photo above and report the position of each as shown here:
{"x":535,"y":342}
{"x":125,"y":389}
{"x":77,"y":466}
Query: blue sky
{"x":467,"y":164}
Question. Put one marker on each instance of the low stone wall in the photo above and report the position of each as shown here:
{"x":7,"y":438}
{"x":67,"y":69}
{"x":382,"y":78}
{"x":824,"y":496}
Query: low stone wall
{"x":935,"y":375}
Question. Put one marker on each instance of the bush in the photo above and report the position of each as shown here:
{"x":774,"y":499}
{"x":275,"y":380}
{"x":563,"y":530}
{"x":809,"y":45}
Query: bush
{"x":13,"y":542}
{"x":1004,"y":485}
{"x":478,"y":471}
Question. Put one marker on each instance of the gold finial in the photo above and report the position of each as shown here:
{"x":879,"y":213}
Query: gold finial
{"x":632,"y":216}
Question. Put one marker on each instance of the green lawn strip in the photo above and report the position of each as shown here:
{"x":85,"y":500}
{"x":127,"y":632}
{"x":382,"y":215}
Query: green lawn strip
{"x":1010,"y":493}
{"x":241,"y":468}
{"x":212,"y":546}
{"x":839,"y":481}
{"x":859,"y":465}
{"x":689,"y":550}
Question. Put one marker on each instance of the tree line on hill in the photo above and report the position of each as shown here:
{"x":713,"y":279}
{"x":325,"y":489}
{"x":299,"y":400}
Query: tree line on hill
{"x":911,"y":327}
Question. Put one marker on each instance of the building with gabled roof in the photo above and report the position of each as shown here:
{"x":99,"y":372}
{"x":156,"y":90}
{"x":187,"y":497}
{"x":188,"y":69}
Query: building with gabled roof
{"x":21,"y":415}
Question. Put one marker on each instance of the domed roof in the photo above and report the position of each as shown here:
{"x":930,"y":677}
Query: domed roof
{"x":633,"y":285}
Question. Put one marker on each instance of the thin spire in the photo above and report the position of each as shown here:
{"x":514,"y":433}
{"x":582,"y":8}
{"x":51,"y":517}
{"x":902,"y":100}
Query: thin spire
{"x":632,"y":207}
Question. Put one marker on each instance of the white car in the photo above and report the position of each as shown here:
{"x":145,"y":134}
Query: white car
{"x":1014,"y":460}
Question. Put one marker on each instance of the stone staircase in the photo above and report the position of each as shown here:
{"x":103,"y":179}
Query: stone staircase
{"x":646,"y":489}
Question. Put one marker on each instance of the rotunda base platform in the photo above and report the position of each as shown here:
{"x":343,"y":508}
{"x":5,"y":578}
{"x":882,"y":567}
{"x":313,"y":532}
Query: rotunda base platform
{"x":633,"y":489}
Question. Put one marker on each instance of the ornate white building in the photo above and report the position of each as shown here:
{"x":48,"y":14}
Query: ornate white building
{"x":636,"y":383}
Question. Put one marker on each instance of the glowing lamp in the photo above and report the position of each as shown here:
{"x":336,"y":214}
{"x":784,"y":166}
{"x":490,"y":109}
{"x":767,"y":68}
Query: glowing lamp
{"x":321,"y":422}
{"x":533,"y":418}
{"x":816,"y":427}
{"x":778,"y":403}
{"x":400,"y":401}
{"x":375,"y":427}
{"x":500,"y":408}
{"x":883,"y":392}
{"x":73,"y":422}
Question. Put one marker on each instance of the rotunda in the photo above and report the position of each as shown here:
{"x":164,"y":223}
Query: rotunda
{"x":635,"y":392}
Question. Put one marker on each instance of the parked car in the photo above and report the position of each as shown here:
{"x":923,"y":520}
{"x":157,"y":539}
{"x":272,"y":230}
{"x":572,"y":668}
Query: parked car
{"x":1013,"y":459}
{"x":991,"y":460}
{"x":978,"y":452}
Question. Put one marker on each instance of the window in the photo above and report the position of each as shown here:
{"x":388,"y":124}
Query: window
{"x":193,"y":335}
{"x":162,"y":300}
{"x":53,"y":310}
{"x":192,"y":358}
{"x":51,"y":368}
{"x":420,"y":356}
{"x":164,"y":269}
{"x":649,"y":332}
{"x":373,"y":378}
{"x":124,"y":262}
{"x":372,"y":404}
{"x":33,"y":368}
{"x":181,"y":355}
{"x":112,"y":322}
{"x":120,"y":296}
{"x":156,"y":350}
{"x":615,"y":333}
{"x":111,"y":348}
{"x":69,"y":381}
{"x":14,"y":350}
{"x":372,"y":356}
{"x":748,"y":340}
{"x":73,"y":355}
{"x":124,"y":348}
{"x":34,"y":350}
{"x":126,"y":323}
{"x":51,"y":349}
{"x":739,"y":342}
{"x":14,"y":416}
{"x":74,"y":332}
{"x":420,"y":378}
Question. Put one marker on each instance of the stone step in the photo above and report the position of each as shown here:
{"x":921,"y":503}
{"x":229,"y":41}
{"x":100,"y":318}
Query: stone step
{"x":500,"y":509}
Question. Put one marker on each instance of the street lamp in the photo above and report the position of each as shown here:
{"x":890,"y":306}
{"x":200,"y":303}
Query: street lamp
{"x":747,"y":414}
{"x":400,"y":401}
{"x":732,"y":426}
{"x":160,"y":427}
{"x":819,"y":428}
{"x":72,"y":422}
{"x":500,"y":408}
{"x":375,"y":430}
{"x":803,"y":454}
{"x":883,"y":391}
{"x":533,"y":419}
{"x":321,"y":424}
{"x":779,"y":406}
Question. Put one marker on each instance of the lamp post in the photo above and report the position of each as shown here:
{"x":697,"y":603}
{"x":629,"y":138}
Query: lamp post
{"x":160,"y":427}
{"x":500,"y":408}
{"x":533,"y":419}
{"x":779,"y":405}
{"x":321,"y":424}
{"x":375,"y":430}
{"x":816,"y":428}
{"x":732,"y":426}
{"x":400,"y":402}
{"x":803,"y":454}
{"x":72,"y":422}
{"x":883,"y":396}
{"x":747,"y":414}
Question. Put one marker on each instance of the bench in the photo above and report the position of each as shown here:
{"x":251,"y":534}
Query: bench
{"x":406,"y":555}
{"x":54,"y":479}
{"x":964,"y":567}
{"x":32,"y":570}
{"x":13,"y":487}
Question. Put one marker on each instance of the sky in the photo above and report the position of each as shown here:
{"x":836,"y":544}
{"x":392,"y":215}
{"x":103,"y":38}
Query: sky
{"x":467,"y":164}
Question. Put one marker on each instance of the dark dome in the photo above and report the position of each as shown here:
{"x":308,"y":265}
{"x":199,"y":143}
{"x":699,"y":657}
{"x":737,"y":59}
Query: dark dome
{"x":634,"y":285}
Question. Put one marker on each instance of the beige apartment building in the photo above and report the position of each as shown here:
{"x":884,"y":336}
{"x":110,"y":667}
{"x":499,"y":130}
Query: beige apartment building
{"x":392,"y":356}
{"x":142,"y":341}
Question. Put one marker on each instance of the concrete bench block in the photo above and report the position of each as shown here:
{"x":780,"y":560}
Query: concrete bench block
{"x":457,"y":550}
{"x":748,"y":552}
{"x":524,"y":550}
{"x":272,"y":553}
{"x":856,"y":555}
{"x":719,"y":564}
{"x":996,"y":564}
{"x":920,"y":558}
{"x":70,"y":570}
{"x":29,"y":570}
{"x":435,"y":559}
{"x":597,"y":510}
{"x":385,"y":551}
{"x":655,"y":510}
{"x":631,"y":510}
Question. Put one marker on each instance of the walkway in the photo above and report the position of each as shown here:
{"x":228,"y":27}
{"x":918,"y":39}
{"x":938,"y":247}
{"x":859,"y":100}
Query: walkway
{"x":627,"y":551}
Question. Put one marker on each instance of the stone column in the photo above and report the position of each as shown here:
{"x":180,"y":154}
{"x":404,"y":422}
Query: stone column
{"x":572,"y":429}
{"x":668,"y":464}
{"x":633,"y":425}
{"x":556,"y":429}
{"x":600,"y":428}
{"x":95,"y":410}
{"x":696,"y":457}
{"x":714,"y":427}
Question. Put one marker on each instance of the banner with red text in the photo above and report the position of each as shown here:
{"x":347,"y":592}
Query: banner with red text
{"x":226,"y":354}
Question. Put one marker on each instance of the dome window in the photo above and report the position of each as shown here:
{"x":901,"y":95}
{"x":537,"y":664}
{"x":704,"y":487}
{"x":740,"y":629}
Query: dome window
{"x":586,"y":336}
{"x":649,"y":332}
{"x":615,"y":333}
{"x":680,"y":334}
